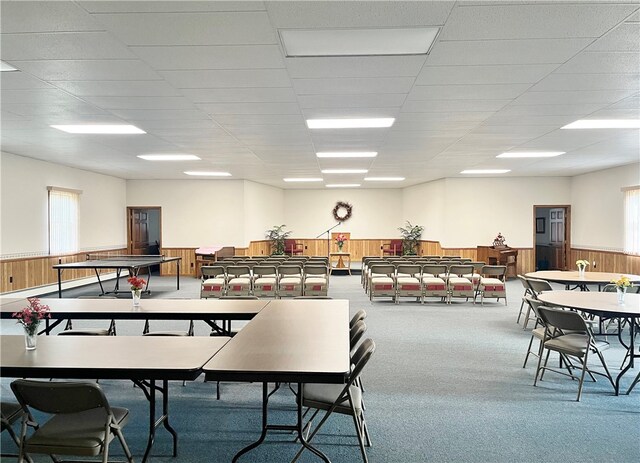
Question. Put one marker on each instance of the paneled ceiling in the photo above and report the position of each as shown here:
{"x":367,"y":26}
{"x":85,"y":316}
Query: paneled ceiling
{"x":211,"y":79}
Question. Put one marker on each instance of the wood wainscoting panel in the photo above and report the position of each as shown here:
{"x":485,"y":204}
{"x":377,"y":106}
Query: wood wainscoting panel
{"x":187,"y":264}
{"x":606,"y":261}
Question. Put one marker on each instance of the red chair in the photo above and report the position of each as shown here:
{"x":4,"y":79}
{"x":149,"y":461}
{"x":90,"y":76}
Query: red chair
{"x":394,"y":248}
{"x":292,"y":248}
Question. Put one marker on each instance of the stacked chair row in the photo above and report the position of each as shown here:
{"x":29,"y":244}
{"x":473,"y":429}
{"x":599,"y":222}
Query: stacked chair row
{"x":265,"y":280}
{"x":442,"y":281}
{"x":368,"y":261}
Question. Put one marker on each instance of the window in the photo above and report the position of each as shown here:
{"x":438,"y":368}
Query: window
{"x":63,"y":220}
{"x":632,"y":220}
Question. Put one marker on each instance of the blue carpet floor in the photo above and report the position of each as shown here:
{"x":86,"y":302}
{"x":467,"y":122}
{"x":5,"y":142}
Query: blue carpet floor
{"x":446,"y":385}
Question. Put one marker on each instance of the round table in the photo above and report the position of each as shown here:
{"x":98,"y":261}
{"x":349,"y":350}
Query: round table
{"x":572,"y":277}
{"x":604,"y":305}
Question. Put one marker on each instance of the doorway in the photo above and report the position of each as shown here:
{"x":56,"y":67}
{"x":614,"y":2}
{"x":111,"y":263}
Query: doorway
{"x":552,"y":241}
{"x":144,"y":231}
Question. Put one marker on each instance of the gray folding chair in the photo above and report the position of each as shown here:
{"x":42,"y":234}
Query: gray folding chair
{"x":340,"y":398}
{"x":9,"y":414}
{"x":527,"y":292}
{"x":568,"y":334}
{"x":359,"y":315}
{"x":83,"y":422}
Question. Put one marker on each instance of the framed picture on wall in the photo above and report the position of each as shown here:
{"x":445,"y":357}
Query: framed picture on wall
{"x":540,"y":225}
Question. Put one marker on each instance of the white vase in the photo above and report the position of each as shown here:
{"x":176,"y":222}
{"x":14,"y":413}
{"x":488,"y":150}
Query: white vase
{"x":30,"y":339}
{"x":135,"y":295}
{"x":581,"y":271}
{"x":621,"y":292}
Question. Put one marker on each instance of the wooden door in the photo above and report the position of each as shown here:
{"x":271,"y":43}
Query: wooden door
{"x":138,"y":231}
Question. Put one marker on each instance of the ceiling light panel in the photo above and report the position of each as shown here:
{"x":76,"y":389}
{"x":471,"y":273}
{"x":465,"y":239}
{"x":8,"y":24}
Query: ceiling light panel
{"x":604,"y":124}
{"x":302,"y":179}
{"x":345,"y":171}
{"x":358,"y":42}
{"x":208,"y":174}
{"x":384,"y":179}
{"x":111,"y":129}
{"x":377,"y":122}
{"x":347,"y":154}
{"x":5,"y":67}
{"x":343,"y":185}
{"x":169,"y":157}
{"x":485,"y":171}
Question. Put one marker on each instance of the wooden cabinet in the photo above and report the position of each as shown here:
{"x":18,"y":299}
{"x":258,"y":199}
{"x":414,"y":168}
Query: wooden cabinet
{"x":500,"y":256}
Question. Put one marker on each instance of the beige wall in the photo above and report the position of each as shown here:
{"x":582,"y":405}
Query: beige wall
{"x":263,"y":209}
{"x":597,"y":207}
{"x":24,"y":204}
{"x":424,"y":205}
{"x":376,"y":213}
{"x":194,"y":212}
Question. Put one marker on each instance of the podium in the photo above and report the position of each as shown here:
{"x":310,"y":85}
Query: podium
{"x":343,"y":255}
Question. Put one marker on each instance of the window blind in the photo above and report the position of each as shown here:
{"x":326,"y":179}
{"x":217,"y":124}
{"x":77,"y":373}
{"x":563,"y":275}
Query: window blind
{"x":63,"y":220}
{"x":632,"y":220}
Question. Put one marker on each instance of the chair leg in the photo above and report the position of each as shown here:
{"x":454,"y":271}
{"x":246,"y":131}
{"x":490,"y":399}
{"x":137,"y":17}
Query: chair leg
{"x":584,"y":369}
{"x":526,"y":357}
{"x":125,"y":447}
{"x":359,"y":431}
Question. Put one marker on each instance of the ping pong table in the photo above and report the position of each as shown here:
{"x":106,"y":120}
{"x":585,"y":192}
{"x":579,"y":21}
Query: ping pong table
{"x":118,"y":263}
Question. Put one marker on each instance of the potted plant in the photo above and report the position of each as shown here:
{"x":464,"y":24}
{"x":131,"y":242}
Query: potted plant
{"x":410,"y":238}
{"x":277,"y":235}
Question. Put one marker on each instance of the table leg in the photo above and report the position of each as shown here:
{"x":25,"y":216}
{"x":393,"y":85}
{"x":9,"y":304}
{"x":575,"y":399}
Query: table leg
{"x":149,"y":390}
{"x":178,"y":275}
{"x":632,"y":356}
{"x":60,"y":283}
{"x":298,"y":427}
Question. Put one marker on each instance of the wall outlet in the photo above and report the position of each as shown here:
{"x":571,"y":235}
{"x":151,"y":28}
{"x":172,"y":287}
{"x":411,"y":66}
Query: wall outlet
{"x":10,"y":279}
{"x":594,"y":264}
{"x":191,"y":264}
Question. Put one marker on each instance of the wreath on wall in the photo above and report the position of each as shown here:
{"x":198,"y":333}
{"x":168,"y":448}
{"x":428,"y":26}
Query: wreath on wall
{"x":342,"y":211}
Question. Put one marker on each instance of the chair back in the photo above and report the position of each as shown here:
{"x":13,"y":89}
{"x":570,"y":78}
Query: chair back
{"x":497,"y":271}
{"x":360,"y":358}
{"x":355,"y":333}
{"x":237,"y":270}
{"x":537,"y":286}
{"x":564,"y":320}
{"x":460,"y":269}
{"x":434,"y":269}
{"x":286,"y":269}
{"x":431,"y":257}
{"x":525,"y":285}
{"x":311,"y":269}
{"x":211,"y":271}
{"x":59,"y":397}
{"x":383,"y":269}
{"x":263,"y":269}
{"x":359,"y":315}
{"x":409,"y":269}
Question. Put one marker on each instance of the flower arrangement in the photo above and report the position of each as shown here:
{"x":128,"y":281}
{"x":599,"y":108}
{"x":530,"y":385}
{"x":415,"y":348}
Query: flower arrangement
{"x":581,"y":263}
{"x":30,"y":317}
{"x":136,"y":283}
{"x":341,"y":239}
{"x":622,"y":282}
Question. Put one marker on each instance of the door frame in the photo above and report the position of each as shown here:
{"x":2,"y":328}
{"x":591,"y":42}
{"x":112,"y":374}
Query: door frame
{"x":130,"y":210}
{"x":567,"y":232}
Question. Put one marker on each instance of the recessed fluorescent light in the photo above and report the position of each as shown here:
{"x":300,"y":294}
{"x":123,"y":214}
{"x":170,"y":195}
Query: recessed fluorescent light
{"x":531,"y":154}
{"x":485,"y":171}
{"x":302,"y":179}
{"x":374,"y":122}
{"x":358,"y":42}
{"x":343,"y":185}
{"x":169,"y":157}
{"x":4,"y":67}
{"x":604,"y":124}
{"x":209,"y":174}
{"x":99,"y":129}
{"x":383,"y":179}
{"x":347,"y":154}
{"x":344,"y":171}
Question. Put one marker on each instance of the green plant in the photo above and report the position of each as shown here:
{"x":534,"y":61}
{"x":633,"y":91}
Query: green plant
{"x":410,"y":238}
{"x":277,"y":235}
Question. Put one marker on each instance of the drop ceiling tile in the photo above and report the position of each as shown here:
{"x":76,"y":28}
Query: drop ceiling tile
{"x":602,"y":62}
{"x":326,"y":14}
{"x":467,"y":92}
{"x":211,"y":57}
{"x":140,"y":102}
{"x":332,"y":113}
{"x":228,"y":78}
{"x":352,"y":101}
{"x":625,"y":37}
{"x":434,"y":125}
{"x":39,"y":95}
{"x":453,"y":105}
{"x":118,"y":88}
{"x":249,"y":108}
{"x":353,"y":85}
{"x":534,"y":51}
{"x":532,"y":21}
{"x":177,"y":124}
{"x":578,"y":110}
{"x":472,"y":75}
{"x":262,"y":119}
{"x":241,"y":95}
{"x":53,"y":70}
{"x":223,"y":28}
{"x":168,"y":6}
{"x":556,"y":82}
{"x":20,"y":80}
{"x":568,"y":97}
{"x":459,"y":116}
{"x":628,"y":103}
{"x":45,"y":17}
{"x":68,"y":45}
{"x":355,"y":66}
{"x":154,"y":114}
{"x":500,"y":119}
{"x":57,"y":111}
